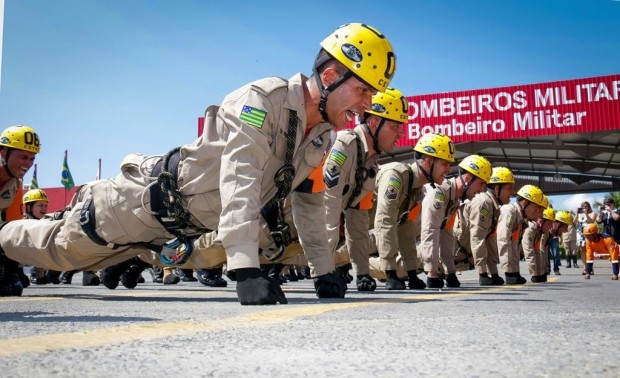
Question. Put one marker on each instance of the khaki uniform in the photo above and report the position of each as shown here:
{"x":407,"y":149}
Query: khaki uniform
{"x":225,"y":177}
{"x":509,"y":229}
{"x":569,"y":240}
{"x":476,"y":231}
{"x":339,"y":174}
{"x":436,"y":235}
{"x":7,"y":194}
{"x":394,"y":182}
{"x":535,"y":256}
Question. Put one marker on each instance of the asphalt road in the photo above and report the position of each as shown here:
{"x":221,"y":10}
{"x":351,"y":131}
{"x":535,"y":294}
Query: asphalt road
{"x":566,"y":327}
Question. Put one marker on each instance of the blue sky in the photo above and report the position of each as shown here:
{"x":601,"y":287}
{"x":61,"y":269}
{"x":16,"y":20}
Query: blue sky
{"x":105,"y":78}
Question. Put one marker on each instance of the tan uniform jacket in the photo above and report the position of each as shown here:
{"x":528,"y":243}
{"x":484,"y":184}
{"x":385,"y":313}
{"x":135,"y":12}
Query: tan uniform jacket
{"x":530,"y":243}
{"x":476,"y":230}
{"x":509,"y":230}
{"x":438,"y":206}
{"x":339,"y":173}
{"x":393,"y":183}
{"x":225,"y":177}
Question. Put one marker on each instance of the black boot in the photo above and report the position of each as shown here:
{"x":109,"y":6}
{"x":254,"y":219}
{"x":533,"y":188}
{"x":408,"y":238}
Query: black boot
{"x":90,"y":278}
{"x":186,"y":275}
{"x":575,"y":262}
{"x":415,"y":282}
{"x":23,"y":278}
{"x":393,"y":282}
{"x":484,"y":279}
{"x":130,"y":277}
{"x":53,"y":276}
{"x":496,"y":280}
{"x":111,"y":276}
{"x":67,"y":277}
{"x":515,"y":279}
{"x":344,"y":272}
{"x":10,"y":285}
{"x":211,"y":277}
{"x":452,"y":280}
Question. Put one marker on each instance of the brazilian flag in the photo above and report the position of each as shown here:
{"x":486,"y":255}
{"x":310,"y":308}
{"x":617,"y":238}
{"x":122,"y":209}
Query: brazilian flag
{"x":67,"y":179}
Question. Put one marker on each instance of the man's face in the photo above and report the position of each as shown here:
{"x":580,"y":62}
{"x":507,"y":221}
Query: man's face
{"x":350,"y":98}
{"x":389,"y":135}
{"x":18,"y":162}
{"x":440,"y":168}
{"x":559,"y":228}
{"x":533,"y":211}
{"x":506,"y":191}
{"x":478,"y":186}
{"x":545,"y":225}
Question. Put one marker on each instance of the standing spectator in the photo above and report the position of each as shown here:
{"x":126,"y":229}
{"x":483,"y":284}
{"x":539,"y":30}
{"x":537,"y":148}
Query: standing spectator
{"x":569,"y":241}
{"x":610,"y":218}
{"x":585,"y":216}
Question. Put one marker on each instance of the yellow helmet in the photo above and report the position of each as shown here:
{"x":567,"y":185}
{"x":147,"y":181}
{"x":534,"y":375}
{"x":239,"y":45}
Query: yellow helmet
{"x":437,"y":145}
{"x":34,"y":195}
{"x":545,"y":201}
{"x":549,"y":213}
{"x":391,"y":105}
{"x":590,"y":229}
{"x":20,"y":137}
{"x":533,"y":194}
{"x":501,"y":175}
{"x":478,"y":166}
{"x":365,"y":52}
{"x":564,"y":217}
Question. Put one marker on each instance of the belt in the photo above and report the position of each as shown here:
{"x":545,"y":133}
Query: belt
{"x":88,"y":222}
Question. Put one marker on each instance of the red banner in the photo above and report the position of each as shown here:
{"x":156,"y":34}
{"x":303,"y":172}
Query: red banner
{"x":559,"y":107}
{"x":571,"y":106}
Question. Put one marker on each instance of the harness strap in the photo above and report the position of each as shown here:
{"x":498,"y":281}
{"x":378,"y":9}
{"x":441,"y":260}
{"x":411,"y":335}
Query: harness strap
{"x":166,"y":198}
{"x":406,"y":208}
{"x":273,"y":211}
{"x":361,"y":173}
{"x":170,"y":253}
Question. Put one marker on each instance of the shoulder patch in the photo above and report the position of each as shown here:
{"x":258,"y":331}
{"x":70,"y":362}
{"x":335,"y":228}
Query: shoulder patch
{"x":440,"y":199}
{"x":393,"y":187}
{"x":253,"y":116}
{"x":337,"y":157}
{"x":331,"y":174}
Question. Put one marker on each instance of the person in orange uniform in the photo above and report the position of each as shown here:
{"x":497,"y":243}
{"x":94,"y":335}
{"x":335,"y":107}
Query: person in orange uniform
{"x":601,"y":243}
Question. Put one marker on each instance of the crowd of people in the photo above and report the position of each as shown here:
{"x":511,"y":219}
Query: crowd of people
{"x":275,"y":186}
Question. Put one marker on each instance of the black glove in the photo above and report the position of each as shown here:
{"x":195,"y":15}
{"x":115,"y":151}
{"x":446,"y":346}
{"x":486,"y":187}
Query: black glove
{"x":330,"y":286}
{"x":253,"y":288}
{"x":366,"y":283}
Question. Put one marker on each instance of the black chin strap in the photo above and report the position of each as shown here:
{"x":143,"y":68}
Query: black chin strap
{"x":466,"y":185}
{"x":375,"y":136}
{"x":6,"y":164}
{"x":326,"y":91}
{"x":428,"y":176}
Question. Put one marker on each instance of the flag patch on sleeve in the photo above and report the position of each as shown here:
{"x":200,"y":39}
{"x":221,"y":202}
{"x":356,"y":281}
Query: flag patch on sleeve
{"x":252,"y":116}
{"x":337,"y":157}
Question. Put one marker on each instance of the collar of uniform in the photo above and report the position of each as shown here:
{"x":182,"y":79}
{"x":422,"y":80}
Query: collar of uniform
{"x":295,"y":101}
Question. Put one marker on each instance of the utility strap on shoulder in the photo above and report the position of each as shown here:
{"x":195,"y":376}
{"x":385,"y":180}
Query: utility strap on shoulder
{"x":406,"y":208}
{"x":273,"y":211}
{"x":360,"y":171}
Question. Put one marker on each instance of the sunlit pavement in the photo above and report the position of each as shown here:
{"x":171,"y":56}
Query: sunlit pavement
{"x":567,"y":326}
